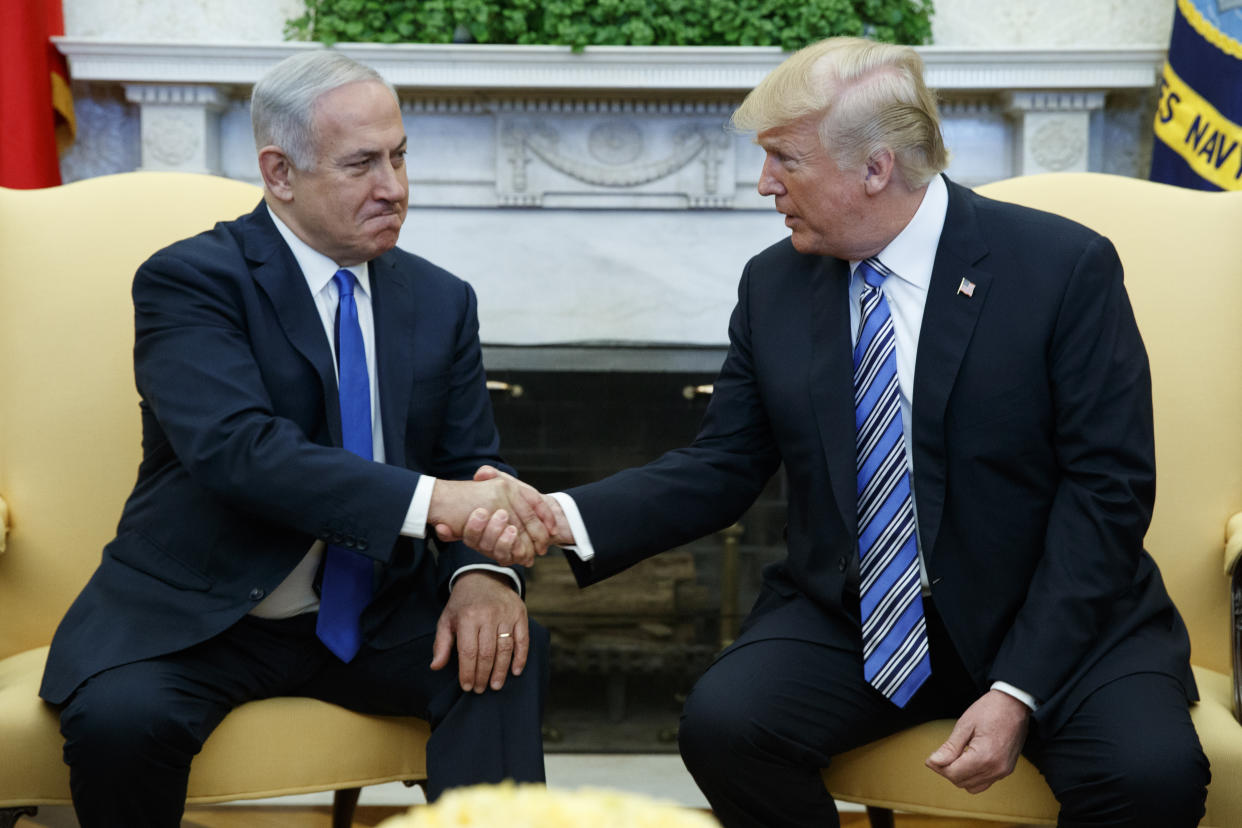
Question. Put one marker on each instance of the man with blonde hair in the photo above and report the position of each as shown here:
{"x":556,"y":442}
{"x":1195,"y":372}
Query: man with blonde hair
{"x":958,"y":393}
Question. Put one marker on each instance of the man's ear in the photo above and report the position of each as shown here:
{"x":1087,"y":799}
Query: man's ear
{"x":277,"y":172}
{"x":879,"y":171}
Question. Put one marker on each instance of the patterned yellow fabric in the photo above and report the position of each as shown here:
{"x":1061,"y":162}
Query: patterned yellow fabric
{"x":534,"y":806}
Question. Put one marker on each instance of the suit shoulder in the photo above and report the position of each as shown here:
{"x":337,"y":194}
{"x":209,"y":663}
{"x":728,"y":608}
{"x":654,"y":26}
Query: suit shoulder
{"x":427,"y":273}
{"x":1021,"y":221}
{"x":426,"y":279}
{"x":220,"y":244}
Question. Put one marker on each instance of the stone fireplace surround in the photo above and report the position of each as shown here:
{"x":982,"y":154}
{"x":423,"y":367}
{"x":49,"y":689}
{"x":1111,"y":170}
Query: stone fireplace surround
{"x":596,"y":197}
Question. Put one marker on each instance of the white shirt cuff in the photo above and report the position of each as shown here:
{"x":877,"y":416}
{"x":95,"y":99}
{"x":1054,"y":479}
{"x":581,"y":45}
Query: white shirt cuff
{"x":1021,"y":695}
{"x":415,"y":525}
{"x":582,"y":546}
{"x":513,"y":576}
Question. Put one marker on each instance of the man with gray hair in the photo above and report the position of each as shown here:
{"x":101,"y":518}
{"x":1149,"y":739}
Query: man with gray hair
{"x":313,"y":400}
{"x":958,"y":393}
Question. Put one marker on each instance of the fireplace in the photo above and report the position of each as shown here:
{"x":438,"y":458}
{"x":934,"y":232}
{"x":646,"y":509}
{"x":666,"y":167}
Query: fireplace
{"x":625,"y":651}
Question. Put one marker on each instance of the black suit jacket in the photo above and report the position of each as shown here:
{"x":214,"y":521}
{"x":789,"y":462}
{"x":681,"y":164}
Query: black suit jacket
{"x":241,"y":467}
{"x":1034,"y":470}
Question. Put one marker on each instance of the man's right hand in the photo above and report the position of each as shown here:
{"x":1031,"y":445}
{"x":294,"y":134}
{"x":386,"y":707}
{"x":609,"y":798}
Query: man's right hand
{"x":496,"y":514}
{"x":481,"y":530}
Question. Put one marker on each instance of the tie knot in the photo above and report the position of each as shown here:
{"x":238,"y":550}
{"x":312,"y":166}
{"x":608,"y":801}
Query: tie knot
{"x":873,"y":272}
{"x":344,"y":282}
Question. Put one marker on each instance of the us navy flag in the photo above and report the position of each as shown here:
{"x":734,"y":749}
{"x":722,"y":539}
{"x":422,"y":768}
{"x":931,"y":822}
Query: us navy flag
{"x":1198,"y":123}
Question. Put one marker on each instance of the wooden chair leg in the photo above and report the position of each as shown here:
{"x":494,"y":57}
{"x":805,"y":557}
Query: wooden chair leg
{"x":9,"y":816}
{"x":343,"y":803}
{"x":880,"y":817}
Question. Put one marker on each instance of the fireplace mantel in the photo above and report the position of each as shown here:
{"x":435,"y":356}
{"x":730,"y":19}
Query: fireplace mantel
{"x":697,"y":68}
{"x":534,"y":169}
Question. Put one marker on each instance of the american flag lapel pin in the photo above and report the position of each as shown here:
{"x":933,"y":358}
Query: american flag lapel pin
{"x":967,"y":288}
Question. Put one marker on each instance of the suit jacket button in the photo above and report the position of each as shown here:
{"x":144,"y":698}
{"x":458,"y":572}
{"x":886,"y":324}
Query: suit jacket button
{"x":843,"y":564}
{"x":361,"y":545}
{"x":349,"y":543}
{"x":257,"y":594}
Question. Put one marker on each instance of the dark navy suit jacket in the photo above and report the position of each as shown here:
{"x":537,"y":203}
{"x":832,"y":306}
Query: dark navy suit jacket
{"x":241,"y":467}
{"x":1034,"y":467}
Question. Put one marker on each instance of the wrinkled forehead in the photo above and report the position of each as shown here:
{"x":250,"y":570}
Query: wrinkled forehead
{"x":799,"y":136}
{"x":364,"y":107}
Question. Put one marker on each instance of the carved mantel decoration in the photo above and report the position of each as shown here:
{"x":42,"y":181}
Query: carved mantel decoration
{"x":588,"y":154}
{"x":1050,"y":95}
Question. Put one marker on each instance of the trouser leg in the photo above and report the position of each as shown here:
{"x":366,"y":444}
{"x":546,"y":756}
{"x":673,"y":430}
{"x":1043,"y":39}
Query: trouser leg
{"x":475,"y":737}
{"x":132,"y":731}
{"x":770,"y":713}
{"x":1129,"y":757}
{"x":129,"y":739}
{"x":765,"y":718}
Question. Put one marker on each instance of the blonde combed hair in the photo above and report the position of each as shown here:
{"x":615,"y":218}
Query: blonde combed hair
{"x":869,"y":97}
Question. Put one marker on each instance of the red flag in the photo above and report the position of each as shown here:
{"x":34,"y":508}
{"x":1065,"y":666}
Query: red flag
{"x":36,"y":107}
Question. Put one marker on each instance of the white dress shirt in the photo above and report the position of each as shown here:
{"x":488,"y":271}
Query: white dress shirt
{"x":296,"y":594}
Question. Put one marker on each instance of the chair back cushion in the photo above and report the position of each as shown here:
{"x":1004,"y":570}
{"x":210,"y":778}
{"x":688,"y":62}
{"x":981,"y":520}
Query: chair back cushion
{"x":69,"y":421}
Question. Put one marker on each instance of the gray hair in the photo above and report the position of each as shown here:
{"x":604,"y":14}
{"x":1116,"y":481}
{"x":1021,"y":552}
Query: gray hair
{"x":282,"y":104}
{"x":869,"y":96}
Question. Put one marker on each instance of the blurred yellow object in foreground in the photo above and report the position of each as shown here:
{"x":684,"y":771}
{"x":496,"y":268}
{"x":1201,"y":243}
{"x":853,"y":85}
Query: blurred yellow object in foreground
{"x":533,"y":806}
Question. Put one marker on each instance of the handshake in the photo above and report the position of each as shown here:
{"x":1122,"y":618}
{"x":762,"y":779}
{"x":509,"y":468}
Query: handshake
{"x":498,"y":515}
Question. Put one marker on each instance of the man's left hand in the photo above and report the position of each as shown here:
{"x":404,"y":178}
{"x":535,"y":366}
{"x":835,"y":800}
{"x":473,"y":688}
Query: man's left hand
{"x":984,"y":744}
{"x":487,"y":619}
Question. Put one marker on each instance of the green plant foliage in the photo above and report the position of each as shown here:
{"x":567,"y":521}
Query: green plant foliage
{"x":789,"y":24}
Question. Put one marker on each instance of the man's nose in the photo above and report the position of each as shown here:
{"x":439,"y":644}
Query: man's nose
{"x":391,"y":183}
{"x":769,"y":181}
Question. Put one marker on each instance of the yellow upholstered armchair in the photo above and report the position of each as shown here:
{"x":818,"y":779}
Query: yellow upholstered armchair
{"x":69,"y":450}
{"x":1182,"y":252}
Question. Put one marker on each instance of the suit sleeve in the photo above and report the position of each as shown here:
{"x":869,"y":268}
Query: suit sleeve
{"x":1102,"y":503}
{"x":693,"y":491}
{"x":199,"y":378}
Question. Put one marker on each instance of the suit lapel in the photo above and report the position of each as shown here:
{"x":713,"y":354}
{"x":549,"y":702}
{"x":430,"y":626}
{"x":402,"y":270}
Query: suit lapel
{"x":392,"y":302}
{"x":949,"y":319}
{"x":277,"y":273}
{"x":832,"y":378}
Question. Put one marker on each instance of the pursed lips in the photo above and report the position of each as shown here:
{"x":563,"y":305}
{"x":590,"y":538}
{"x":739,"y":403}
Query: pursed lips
{"x":385,"y":214}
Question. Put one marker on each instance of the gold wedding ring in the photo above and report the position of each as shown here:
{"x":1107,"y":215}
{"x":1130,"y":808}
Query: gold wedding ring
{"x":504,"y":635}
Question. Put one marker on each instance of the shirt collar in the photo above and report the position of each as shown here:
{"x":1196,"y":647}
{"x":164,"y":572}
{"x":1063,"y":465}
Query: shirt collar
{"x":912,"y":254}
{"x":317,"y":268}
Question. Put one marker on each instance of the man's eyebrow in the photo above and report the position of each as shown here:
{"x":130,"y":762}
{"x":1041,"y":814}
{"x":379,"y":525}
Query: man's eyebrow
{"x":367,"y":154}
{"x":359,"y":155}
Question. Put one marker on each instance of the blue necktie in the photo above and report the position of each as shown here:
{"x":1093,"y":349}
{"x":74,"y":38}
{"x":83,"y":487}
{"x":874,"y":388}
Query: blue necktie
{"x":895,"y":656}
{"x":347,"y":575}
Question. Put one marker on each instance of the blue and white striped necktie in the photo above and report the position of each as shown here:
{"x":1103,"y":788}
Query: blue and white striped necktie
{"x":894,"y":629}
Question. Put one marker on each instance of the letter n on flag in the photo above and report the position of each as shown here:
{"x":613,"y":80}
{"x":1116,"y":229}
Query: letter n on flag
{"x":1198,"y":126}
{"x":36,"y":107}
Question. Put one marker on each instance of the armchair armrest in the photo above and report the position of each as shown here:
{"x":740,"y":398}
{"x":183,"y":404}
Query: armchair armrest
{"x":4,"y":525}
{"x":1233,"y":552}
